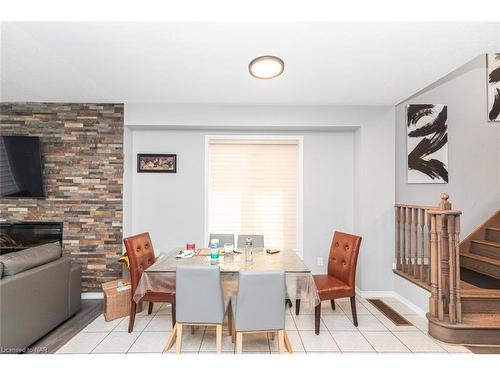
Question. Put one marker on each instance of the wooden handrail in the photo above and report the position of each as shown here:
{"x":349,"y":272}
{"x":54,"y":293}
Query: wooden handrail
{"x":401,"y":205}
{"x":427,"y":252}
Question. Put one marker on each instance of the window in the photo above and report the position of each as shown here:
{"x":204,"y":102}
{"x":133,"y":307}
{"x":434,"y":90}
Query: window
{"x":253,"y":189}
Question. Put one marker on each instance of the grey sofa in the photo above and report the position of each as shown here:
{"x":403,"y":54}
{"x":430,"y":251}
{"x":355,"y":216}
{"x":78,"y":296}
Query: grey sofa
{"x":39,"y":289}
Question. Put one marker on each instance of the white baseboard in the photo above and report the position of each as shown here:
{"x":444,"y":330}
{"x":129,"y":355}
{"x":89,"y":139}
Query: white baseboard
{"x":411,"y":305}
{"x":391,"y":294}
{"x":96,"y":295}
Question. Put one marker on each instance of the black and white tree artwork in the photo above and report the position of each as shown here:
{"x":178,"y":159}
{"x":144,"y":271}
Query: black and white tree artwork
{"x":427,"y":144}
{"x":493,"y":60}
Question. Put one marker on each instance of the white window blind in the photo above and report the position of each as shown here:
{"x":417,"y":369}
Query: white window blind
{"x":253,"y":187}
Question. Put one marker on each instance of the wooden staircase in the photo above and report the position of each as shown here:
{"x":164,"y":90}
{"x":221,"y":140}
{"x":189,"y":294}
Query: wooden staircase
{"x":463,"y":277}
{"x":480,"y":251}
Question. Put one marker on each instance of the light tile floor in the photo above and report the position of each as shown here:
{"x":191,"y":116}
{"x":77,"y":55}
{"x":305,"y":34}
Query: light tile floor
{"x":374,"y":334}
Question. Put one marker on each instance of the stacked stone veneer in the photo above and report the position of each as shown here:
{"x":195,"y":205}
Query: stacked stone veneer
{"x":82,"y":156}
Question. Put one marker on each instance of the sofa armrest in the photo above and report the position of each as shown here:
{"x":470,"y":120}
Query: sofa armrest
{"x":32,"y":303}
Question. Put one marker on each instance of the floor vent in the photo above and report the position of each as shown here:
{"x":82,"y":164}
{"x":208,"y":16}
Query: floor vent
{"x":389,"y":312}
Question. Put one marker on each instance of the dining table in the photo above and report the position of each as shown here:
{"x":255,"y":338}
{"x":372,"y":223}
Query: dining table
{"x":160,"y":276}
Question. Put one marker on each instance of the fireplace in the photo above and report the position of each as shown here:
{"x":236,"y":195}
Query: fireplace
{"x":15,"y":236}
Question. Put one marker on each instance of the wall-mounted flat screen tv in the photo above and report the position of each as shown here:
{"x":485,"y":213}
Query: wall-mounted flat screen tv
{"x":20,"y":167}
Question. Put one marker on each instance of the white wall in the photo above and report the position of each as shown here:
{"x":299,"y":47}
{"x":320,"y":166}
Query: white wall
{"x":171,"y":206}
{"x":348,"y":175}
{"x":374,"y":199}
{"x":473,"y":147}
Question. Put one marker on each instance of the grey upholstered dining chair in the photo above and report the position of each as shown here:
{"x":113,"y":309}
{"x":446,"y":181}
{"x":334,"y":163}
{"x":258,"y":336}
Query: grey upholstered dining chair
{"x":257,"y":240}
{"x":259,"y":306}
{"x":199,"y":302}
{"x":223,"y":238}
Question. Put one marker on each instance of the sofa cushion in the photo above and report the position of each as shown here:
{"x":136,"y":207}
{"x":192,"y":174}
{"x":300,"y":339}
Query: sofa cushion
{"x":14,"y":263}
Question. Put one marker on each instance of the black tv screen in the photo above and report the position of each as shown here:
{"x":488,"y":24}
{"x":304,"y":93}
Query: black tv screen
{"x":20,"y":167}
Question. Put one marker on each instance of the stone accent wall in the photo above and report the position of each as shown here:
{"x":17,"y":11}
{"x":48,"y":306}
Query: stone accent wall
{"x":82,"y":156}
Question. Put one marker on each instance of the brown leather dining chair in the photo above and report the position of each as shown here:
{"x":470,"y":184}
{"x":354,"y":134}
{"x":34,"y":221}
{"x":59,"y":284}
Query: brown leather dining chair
{"x":141,"y":255}
{"x":340,"y":282}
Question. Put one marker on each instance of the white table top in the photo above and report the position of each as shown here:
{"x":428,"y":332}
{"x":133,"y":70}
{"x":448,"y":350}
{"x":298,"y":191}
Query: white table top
{"x":285,"y":260}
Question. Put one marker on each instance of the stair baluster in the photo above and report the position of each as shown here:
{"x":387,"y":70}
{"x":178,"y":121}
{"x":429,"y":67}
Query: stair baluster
{"x":398,"y":238}
{"x":408,"y":240}
{"x":412,"y":242}
{"x":420,"y":243}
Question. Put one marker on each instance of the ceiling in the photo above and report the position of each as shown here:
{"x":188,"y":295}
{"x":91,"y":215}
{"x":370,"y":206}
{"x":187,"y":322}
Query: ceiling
{"x":326,"y":63}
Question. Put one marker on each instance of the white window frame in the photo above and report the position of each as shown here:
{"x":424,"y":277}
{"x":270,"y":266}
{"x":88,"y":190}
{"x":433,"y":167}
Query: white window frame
{"x":300,"y":187}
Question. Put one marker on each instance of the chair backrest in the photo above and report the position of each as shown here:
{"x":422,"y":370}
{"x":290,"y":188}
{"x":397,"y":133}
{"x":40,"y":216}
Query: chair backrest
{"x":223,"y":238}
{"x":140,"y":255}
{"x":257,"y":240}
{"x":198,"y":295}
{"x":260,"y":303}
{"x":343,"y":257}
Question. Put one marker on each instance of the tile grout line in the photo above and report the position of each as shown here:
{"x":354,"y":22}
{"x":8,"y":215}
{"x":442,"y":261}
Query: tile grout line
{"x":113,"y":331}
{"x":397,"y":338}
{"x":335,"y":341}
{"x":357,"y":330}
{"x":140,"y":333}
{"x":426,"y":333}
{"x":203,"y":338}
{"x":388,"y":330}
{"x":392,"y":333}
{"x":300,"y":336}
{"x":99,"y":343}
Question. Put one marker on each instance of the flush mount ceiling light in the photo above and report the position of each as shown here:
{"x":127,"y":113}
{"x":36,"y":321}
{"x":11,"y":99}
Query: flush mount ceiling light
{"x":266,"y":67}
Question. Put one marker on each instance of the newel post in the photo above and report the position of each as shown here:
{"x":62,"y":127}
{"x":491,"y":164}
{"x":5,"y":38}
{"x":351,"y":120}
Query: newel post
{"x":445,"y":262}
{"x":444,"y":204}
{"x":444,"y":256}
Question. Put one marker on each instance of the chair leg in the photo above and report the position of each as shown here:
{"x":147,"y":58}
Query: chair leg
{"x":150,"y":308}
{"x":233,"y":332}
{"x":178,"y":344}
{"x":288,"y":345}
{"x":173,"y":315}
{"x":131,"y":319}
{"x":353,"y":309}
{"x":317,"y":318}
{"x":281,"y":341}
{"x":297,"y":306}
{"x":332,"y":302}
{"x":171,"y":339}
{"x":230,"y":319}
{"x":218,"y":337}
{"x":239,"y":342}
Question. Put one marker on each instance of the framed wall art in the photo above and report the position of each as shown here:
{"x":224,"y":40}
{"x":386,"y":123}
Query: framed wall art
{"x":157,"y":163}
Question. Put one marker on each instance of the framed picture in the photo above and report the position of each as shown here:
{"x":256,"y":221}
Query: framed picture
{"x":156,"y":163}
{"x":493,"y":63}
{"x":427,"y":144}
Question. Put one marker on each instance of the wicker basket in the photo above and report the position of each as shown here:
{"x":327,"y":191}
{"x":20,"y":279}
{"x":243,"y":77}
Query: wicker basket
{"x":117,"y":302}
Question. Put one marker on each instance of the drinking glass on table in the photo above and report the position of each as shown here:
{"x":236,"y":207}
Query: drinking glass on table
{"x":249,"y":250}
{"x":228,"y":248}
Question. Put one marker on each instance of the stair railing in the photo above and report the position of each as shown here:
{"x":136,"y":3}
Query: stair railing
{"x":413,"y":242}
{"x":427,"y":253}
